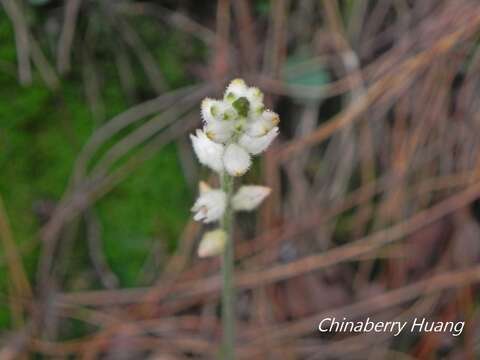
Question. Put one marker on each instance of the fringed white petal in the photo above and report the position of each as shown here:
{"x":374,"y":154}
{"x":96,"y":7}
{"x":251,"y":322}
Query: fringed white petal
{"x":209,"y":153}
{"x":209,"y":107}
{"x":256,"y":145}
{"x":236,"y":160}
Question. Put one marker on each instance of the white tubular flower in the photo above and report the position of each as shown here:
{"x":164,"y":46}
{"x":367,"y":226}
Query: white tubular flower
{"x":212,"y":243}
{"x":210,"y":206}
{"x":263,"y":125}
{"x":256,"y":145}
{"x":208,"y":152}
{"x":226,"y":112}
{"x":236,"y":89}
{"x":219,"y":131}
{"x":209,"y":108}
{"x":236,"y":160}
{"x":249,"y":197}
{"x":212,"y":110}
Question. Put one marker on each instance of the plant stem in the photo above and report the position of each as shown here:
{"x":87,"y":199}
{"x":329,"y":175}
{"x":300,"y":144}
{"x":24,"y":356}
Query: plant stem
{"x":228,"y":290}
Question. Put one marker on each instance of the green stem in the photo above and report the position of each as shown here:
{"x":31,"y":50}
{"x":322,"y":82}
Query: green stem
{"x":228,"y":290}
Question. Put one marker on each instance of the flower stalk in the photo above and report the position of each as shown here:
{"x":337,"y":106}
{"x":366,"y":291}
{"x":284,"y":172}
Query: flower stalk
{"x":228,"y":264}
{"x":235,"y":129}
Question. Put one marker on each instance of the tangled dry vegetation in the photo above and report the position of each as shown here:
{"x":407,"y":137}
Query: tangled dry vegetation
{"x":375,"y":178}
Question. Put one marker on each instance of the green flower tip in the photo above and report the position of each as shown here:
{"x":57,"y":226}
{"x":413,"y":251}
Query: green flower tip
{"x":242,"y":105}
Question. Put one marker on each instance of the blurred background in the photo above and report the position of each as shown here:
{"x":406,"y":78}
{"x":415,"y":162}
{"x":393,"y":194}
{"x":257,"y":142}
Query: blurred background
{"x":375,"y":177}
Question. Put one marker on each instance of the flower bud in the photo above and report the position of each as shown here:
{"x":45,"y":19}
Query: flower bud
{"x":236,"y":89}
{"x":242,"y":106}
{"x":249,"y":197}
{"x":236,"y":160}
{"x":255,"y":97}
{"x":212,"y":243}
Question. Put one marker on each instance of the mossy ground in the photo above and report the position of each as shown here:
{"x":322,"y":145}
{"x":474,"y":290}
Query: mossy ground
{"x":42,"y":133}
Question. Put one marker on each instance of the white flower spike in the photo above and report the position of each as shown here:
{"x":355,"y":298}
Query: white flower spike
{"x":236,"y":160}
{"x":208,"y":152}
{"x":210,"y":206}
{"x":212,"y":243}
{"x":235,"y":128}
{"x":249,"y":197}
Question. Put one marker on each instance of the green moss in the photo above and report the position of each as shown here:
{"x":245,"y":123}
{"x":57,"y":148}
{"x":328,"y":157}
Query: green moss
{"x":151,"y":205}
{"x":41,"y":135}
